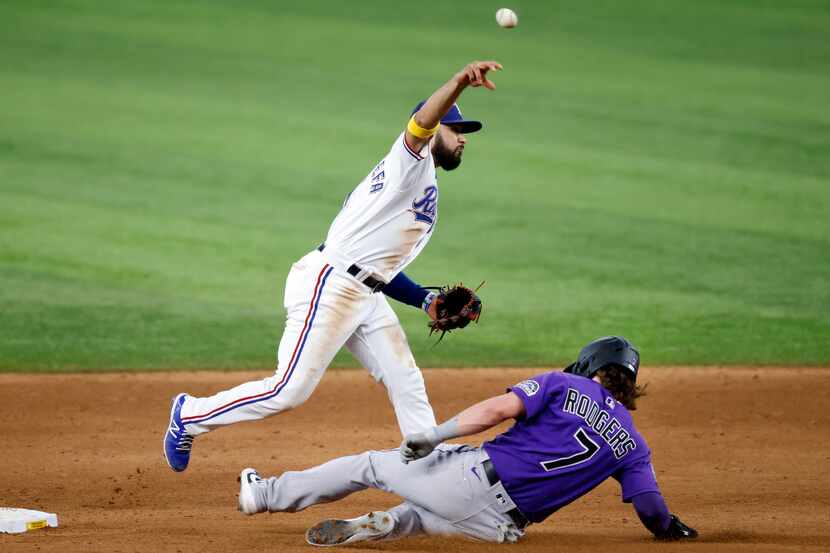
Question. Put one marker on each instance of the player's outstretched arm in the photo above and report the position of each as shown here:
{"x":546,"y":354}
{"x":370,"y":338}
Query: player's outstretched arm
{"x":654,"y":514}
{"x":488,"y":413}
{"x":472,"y":420}
{"x":405,"y":290}
{"x":652,"y":510}
{"x":427,"y":118}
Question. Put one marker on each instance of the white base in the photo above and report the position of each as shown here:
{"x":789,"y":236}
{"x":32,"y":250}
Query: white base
{"x":16,"y":521}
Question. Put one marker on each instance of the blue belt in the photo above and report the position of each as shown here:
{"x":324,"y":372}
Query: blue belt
{"x":372,"y":283}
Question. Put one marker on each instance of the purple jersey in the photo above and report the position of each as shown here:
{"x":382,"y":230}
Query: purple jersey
{"x":573,"y":436}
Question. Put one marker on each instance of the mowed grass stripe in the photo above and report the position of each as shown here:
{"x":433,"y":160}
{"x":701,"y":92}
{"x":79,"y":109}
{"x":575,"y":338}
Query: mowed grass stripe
{"x":654,"y":170}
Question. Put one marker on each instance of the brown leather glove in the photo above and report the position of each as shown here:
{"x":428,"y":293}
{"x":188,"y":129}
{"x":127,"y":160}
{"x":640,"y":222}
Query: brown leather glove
{"x":455,"y":307}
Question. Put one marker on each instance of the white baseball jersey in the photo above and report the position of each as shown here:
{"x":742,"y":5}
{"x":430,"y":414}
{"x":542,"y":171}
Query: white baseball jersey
{"x":389,"y":217}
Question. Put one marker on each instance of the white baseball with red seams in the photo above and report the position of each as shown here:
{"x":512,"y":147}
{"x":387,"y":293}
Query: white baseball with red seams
{"x":384,"y":224}
{"x":507,"y":18}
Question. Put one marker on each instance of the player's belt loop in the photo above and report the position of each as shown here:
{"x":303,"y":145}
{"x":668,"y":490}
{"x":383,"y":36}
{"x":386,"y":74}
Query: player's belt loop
{"x":372,"y":283}
{"x":519,"y":519}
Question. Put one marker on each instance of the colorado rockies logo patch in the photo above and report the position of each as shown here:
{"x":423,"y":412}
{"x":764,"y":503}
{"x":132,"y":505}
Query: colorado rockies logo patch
{"x":529,"y":387}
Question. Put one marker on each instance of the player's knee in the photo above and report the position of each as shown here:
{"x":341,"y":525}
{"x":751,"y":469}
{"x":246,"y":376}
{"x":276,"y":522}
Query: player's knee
{"x":295,"y":392}
{"x":286,"y":399}
{"x":295,"y":398}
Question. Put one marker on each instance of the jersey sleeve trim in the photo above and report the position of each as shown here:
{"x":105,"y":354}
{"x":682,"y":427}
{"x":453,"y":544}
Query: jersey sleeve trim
{"x":409,"y":150}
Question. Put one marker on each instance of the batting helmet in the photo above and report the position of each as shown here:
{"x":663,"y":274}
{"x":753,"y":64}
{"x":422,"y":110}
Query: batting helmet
{"x":602,"y":352}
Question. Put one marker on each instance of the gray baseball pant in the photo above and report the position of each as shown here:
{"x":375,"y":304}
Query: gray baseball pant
{"x":446,"y":493}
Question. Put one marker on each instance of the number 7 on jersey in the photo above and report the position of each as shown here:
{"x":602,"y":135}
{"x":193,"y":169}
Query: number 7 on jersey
{"x":589,"y":449}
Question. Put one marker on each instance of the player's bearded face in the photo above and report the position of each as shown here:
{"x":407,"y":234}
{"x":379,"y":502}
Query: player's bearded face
{"x":448,"y":148}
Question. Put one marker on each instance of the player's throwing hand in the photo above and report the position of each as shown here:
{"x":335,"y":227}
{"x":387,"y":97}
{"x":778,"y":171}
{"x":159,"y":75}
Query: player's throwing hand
{"x":475,"y":74}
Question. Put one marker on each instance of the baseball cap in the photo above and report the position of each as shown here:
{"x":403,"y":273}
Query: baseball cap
{"x":454,"y":117}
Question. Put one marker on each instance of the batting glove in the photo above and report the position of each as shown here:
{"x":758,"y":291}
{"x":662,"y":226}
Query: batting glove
{"x":419,"y":445}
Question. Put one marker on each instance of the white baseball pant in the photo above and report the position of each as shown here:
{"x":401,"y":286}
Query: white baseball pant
{"x":326,"y":309}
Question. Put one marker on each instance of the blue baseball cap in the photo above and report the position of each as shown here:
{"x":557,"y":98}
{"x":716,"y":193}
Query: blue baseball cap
{"x":454,"y":117}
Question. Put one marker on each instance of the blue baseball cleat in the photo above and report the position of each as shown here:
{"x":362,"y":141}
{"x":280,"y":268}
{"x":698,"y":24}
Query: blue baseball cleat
{"x":177,"y":442}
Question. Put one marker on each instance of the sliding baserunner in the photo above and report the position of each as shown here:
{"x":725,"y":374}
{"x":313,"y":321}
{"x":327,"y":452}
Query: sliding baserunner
{"x":573,"y":431}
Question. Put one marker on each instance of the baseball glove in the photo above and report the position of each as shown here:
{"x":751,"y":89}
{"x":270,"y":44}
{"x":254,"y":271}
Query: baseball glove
{"x":455,"y":307}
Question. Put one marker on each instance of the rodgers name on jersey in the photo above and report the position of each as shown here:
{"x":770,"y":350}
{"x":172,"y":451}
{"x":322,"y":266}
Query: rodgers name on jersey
{"x":601,"y":421}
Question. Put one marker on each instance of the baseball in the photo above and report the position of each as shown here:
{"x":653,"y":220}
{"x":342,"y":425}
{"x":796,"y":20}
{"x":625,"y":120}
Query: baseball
{"x":507,"y":18}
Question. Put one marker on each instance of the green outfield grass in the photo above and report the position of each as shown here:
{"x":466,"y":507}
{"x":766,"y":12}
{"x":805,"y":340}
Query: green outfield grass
{"x":655,"y":169}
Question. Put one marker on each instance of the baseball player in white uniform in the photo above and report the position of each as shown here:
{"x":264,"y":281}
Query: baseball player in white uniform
{"x":332,"y":294}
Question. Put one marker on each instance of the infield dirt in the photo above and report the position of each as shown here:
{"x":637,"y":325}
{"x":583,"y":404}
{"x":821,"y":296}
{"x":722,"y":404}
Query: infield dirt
{"x":741,"y":454}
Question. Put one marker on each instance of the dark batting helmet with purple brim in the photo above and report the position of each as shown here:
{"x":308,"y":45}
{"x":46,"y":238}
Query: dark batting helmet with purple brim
{"x":454,"y":117}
